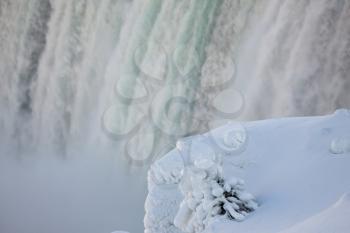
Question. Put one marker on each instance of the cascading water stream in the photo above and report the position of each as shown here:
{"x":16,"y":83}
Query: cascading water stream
{"x":116,"y":82}
{"x":301,"y":47}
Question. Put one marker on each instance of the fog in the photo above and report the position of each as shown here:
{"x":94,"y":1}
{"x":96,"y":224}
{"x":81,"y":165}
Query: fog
{"x":81,"y":194}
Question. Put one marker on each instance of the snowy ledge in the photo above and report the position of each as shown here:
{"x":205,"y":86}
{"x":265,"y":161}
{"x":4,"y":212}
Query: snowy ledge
{"x":296,"y":167}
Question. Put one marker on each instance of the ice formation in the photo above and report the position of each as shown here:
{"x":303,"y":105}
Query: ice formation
{"x":340,"y":145}
{"x":230,"y":139}
{"x":164,"y":196}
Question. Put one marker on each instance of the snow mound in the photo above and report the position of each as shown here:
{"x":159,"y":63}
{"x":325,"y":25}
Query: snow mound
{"x":342,"y":112}
{"x":289,"y":164}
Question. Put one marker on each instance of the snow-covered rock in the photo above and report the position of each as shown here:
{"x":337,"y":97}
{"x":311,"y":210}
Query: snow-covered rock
{"x":289,"y":164}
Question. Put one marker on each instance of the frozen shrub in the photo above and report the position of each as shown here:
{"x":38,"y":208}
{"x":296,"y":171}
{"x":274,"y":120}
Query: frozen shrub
{"x":208,"y":195}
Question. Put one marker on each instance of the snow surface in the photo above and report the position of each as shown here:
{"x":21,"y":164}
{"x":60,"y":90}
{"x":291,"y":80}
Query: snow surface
{"x":333,"y":219}
{"x":297,"y":168}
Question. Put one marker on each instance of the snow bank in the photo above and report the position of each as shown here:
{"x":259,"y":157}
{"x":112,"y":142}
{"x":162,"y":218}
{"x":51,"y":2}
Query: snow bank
{"x":296,"y":167}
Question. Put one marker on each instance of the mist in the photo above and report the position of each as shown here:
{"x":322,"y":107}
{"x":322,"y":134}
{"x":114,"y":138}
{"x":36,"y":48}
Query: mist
{"x":90,"y":194}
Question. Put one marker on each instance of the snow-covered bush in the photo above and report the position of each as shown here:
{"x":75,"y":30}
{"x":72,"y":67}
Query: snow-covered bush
{"x":208,"y":195}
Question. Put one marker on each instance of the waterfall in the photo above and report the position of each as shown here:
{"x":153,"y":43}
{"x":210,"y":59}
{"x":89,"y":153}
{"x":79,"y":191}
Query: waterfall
{"x":128,"y":78}
{"x":115,"y":74}
{"x":72,"y":69}
{"x":295,"y":59}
